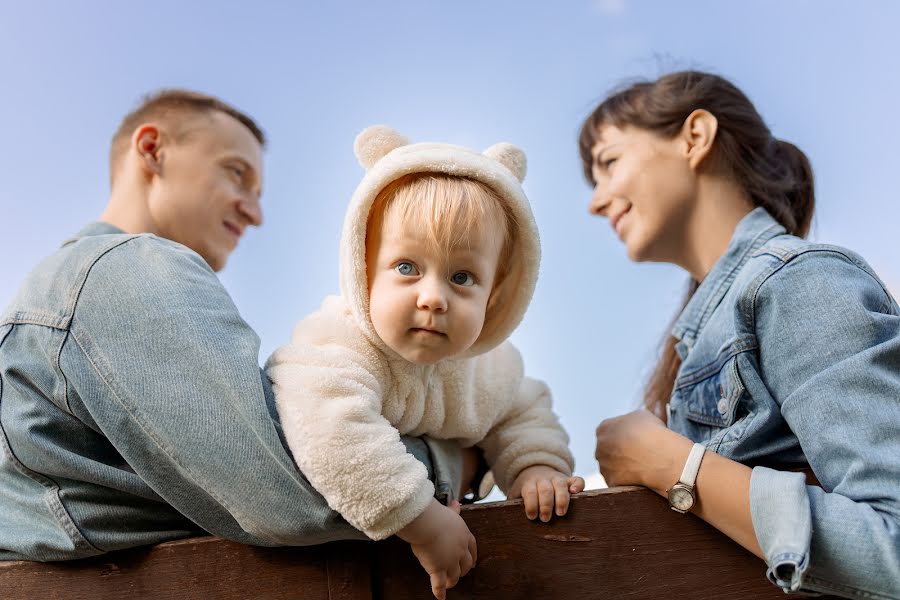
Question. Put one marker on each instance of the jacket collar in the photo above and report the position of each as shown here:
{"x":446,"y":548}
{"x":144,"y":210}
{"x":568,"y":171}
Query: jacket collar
{"x":95,"y":228}
{"x":754,"y":230}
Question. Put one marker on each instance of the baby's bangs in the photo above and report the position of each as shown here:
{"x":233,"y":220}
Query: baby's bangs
{"x":448,"y":208}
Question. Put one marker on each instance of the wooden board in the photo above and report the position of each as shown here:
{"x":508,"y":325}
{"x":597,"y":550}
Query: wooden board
{"x":616,"y":543}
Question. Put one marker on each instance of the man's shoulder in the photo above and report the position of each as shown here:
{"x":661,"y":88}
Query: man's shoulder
{"x":111,"y":265}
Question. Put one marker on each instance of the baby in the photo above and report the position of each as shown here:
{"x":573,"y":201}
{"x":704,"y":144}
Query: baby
{"x":439,"y":260}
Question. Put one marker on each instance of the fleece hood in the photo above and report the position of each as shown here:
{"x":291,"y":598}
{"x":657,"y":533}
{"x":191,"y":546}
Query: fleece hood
{"x":387,"y":155}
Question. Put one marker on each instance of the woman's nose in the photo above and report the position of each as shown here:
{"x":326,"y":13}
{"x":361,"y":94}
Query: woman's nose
{"x":599,"y":202}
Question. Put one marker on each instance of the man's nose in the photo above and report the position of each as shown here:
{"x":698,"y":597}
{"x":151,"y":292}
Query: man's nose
{"x":250,"y":209}
{"x":432,"y":295}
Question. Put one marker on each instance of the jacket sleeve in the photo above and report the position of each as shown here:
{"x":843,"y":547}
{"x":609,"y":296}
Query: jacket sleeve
{"x":328,"y":392}
{"x":175,"y":385}
{"x":528,"y":433}
{"x":829,"y":337}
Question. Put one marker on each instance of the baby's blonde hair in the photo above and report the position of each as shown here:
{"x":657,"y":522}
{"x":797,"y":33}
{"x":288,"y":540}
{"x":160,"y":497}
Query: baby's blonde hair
{"x":447,"y":208}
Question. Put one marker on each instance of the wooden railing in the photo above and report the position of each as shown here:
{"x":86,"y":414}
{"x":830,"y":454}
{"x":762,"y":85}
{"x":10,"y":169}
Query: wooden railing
{"x":616,"y":543}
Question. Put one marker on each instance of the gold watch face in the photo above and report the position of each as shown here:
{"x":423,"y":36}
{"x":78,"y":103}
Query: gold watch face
{"x":681,"y":498}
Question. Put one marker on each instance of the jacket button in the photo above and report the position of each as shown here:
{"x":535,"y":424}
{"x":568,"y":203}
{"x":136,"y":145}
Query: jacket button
{"x":722,"y":406}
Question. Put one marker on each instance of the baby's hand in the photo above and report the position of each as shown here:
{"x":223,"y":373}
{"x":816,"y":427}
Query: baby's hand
{"x":443,"y":544}
{"x":541,"y":488}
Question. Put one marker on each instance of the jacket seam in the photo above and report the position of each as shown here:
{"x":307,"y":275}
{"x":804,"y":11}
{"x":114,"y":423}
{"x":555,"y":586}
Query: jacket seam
{"x":62,"y":322}
{"x":134,"y":416}
{"x":739,"y":346}
{"x":829,"y":586}
{"x":756,"y":286}
{"x":53,"y":501}
{"x":754,"y":245}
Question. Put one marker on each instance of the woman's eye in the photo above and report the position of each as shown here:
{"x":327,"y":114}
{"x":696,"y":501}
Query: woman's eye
{"x":462,"y":278}
{"x":608,"y":163}
{"x":407,"y":269}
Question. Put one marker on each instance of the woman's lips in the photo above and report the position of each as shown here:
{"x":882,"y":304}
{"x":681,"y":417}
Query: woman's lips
{"x":616,"y":222}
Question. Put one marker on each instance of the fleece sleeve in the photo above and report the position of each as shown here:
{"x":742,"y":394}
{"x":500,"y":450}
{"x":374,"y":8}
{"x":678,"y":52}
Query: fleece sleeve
{"x":528,"y":433}
{"x":328,"y":397}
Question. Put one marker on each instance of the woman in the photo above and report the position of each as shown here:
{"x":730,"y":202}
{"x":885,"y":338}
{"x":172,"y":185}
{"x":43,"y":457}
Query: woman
{"x":785,"y":356}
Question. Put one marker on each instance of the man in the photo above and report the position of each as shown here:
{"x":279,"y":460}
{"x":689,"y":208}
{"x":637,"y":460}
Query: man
{"x":132,"y":407}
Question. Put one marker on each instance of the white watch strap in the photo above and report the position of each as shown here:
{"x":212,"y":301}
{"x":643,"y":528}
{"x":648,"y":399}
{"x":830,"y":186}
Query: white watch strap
{"x":692,"y":466}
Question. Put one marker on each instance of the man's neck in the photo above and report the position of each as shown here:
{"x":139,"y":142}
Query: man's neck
{"x":127,"y":210}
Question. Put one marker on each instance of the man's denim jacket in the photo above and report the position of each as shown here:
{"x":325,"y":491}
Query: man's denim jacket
{"x":133,"y":411}
{"x":791,"y":355}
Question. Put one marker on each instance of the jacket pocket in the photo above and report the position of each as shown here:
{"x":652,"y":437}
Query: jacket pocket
{"x":711,"y":394}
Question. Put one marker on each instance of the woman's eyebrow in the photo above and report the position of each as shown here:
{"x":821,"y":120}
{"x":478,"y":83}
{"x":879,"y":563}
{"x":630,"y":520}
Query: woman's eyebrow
{"x":603,"y":149}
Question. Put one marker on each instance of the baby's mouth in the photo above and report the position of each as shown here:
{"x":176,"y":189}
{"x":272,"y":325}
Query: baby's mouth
{"x":427,"y":331}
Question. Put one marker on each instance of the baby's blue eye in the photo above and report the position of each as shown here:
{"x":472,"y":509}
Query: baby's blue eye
{"x":406,"y":268}
{"x":462,"y":278}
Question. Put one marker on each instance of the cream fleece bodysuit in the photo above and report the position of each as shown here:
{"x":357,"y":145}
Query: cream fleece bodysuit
{"x":344,"y":398}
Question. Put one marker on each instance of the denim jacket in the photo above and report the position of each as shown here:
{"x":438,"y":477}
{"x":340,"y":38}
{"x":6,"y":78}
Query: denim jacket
{"x":791,"y":355}
{"x":133,"y":411}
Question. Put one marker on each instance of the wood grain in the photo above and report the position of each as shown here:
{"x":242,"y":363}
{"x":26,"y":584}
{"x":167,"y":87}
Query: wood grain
{"x":616,"y":543}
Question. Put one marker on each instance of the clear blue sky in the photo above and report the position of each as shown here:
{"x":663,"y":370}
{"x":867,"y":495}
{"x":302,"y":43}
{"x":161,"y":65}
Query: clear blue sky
{"x":825,"y":75}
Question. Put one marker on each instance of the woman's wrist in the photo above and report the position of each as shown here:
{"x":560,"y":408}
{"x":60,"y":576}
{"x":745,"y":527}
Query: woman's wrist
{"x":669,"y":454}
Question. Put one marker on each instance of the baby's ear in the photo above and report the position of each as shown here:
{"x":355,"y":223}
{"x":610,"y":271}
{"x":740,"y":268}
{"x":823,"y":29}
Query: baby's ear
{"x":510,"y":157}
{"x":374,"y":142}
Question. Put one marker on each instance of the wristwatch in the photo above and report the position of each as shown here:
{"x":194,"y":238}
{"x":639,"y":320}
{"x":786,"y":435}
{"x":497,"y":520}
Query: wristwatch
{"x":681,"y":495}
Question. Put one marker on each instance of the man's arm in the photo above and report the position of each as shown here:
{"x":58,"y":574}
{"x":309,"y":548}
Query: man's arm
{"x":176,"y":387}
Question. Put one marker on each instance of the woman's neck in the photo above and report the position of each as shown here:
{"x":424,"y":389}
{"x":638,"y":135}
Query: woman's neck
{"x":721,"y":204}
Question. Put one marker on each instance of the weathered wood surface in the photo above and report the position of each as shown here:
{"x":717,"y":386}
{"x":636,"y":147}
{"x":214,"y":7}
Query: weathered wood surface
{"x":616,"y":543}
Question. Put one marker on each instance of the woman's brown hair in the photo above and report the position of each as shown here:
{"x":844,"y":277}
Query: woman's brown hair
{"x":775,"y":174}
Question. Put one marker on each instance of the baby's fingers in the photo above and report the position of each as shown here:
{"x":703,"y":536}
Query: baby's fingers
{"x":439,"y":585}
{"x":453,"y":575}
{"x":576,"y":484}
{"x":530,"y":497}
{"x":560,"y":486}
{"x":545,"y":494}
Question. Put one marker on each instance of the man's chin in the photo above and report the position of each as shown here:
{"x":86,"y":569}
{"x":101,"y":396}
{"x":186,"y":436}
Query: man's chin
{"x":215,"y":262}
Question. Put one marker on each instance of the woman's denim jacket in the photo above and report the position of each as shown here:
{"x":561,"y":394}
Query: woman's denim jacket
{"x":133,"y":411}
{"x":791,"y":355}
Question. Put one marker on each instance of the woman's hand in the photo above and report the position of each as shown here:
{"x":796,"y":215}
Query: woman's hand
{"x":638,"y":449}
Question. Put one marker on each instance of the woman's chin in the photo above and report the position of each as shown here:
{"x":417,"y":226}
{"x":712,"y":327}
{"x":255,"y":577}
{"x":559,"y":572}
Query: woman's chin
{"x":635,"y":252}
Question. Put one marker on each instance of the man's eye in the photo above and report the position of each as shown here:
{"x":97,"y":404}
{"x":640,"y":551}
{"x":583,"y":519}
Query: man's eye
{"x":407,"y":268}
{"x":462,"y":278}
{"x":237,"y":171}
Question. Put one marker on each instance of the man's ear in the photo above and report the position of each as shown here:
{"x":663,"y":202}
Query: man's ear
{"x":699,"y":134}
{"x":147,"y":142}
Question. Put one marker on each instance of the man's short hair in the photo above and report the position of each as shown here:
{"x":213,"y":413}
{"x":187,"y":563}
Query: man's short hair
{"x":170,"y":105}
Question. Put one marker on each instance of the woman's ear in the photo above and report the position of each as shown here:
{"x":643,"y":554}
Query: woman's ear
{"x":146,"y":141}
{"x":699,"y":134}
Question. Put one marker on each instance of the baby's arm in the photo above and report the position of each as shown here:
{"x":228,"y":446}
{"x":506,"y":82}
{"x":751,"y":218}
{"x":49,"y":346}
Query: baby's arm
{"x":528,"y":448}
{"x":328,"y":397}
{"x":443,"y":544}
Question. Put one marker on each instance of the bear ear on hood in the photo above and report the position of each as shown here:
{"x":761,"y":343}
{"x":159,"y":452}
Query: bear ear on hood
{"x":510,"y":157}
{"x":374,"y":142}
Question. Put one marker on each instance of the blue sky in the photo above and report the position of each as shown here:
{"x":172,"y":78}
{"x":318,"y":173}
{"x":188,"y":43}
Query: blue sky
{"x":824,"y":75}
